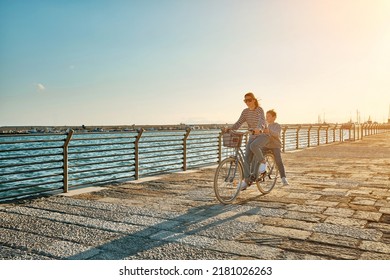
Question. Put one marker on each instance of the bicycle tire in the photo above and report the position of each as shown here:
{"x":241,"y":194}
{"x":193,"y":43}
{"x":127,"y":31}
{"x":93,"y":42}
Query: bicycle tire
{"x":267,"y":181}
{"x":227,"y":178}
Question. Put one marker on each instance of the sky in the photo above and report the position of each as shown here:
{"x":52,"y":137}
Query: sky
{"x":124,"y":62}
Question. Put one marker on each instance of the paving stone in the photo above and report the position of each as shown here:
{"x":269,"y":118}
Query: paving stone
{"x":375,"y":246}
{"x":306,"y":208}
{"x":42,"y":245}
{"x":385,"y":210}
{"x":287,"y":232}
{"x":382,"y":227}
{"x":369,"y":216}
{"x":360,"y":191}
{"x":302,"y":216}
{"x":287,"y":223}
{"x":382,"y":203}
{"x":341,"y":212}
{"x":345,"y":221}
{"x":324,"y":250}
{"x":10,"y":253}
{"x":380,"y":192}
{"x":374,"y":256}
{"x":359,"y":207}
{"x":290,"y":255}
{"x":177,"y":251}
{"x":64,"y":231}
{"x":119,"y":248}
{"x":364,"y":234}
{"x":257,"y":251}
{"x":335,"y":240}
{"x":333,"y":198}
{"x":363,"y":201}
{"x":322,"y":203}
{"x":305,"y":196}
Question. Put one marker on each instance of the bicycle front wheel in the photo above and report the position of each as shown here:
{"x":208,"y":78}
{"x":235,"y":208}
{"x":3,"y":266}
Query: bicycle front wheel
{"x":227,"y":180}
{"x":267,"y":181}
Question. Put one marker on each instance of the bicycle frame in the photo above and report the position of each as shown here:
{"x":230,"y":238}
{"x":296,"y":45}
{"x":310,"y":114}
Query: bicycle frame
{"x":240,"y":159}
{"x":232,"y":170}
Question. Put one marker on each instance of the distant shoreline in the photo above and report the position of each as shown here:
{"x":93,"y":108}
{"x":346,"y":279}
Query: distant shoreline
{"x":104,"y":128}
{"x":124,"y":128}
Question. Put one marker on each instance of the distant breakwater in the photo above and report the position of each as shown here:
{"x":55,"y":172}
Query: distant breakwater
{"x":38,"y":163}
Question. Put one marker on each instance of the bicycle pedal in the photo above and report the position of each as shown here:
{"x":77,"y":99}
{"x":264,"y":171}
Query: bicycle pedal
{"x":261,"y":178}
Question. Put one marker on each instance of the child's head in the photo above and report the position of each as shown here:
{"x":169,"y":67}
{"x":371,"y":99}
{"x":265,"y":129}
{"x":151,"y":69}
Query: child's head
{"x":270,"y":116}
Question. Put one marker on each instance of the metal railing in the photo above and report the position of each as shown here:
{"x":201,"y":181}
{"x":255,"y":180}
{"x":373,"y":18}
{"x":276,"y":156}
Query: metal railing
{"x":31,"y":164}
{"x":35,"y":164}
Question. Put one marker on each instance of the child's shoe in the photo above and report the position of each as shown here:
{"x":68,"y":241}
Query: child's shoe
{"x":284,"y":181}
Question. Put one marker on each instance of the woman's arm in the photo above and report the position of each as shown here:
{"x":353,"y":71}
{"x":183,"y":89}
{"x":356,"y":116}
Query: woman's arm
{"x":240,"y":121}
{"x":262,"y":124}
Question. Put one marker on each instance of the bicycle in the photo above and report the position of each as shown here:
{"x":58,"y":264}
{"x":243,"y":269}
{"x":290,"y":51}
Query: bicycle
{"x":229,"y":173}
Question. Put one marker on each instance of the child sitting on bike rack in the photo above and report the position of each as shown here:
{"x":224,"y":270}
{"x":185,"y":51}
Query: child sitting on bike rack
{"x":274,"y":129}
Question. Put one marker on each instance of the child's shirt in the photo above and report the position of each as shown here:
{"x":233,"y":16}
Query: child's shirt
{"x":274,"y":132}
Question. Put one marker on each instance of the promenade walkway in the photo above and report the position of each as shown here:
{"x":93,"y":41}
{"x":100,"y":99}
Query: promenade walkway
{"x":337,"y":207}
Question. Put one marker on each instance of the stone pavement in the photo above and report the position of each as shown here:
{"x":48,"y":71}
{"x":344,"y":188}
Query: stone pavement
{"x":337,"y":207}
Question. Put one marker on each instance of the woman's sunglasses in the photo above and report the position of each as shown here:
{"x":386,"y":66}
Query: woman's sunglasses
{"x":248,"y":100}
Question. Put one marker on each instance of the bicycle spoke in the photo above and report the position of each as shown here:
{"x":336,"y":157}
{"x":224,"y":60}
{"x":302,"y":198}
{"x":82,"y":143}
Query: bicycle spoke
{"x":227,"y":179}
{"x":267,"y":181}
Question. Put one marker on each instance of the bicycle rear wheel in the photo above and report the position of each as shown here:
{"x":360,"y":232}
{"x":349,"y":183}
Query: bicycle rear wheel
{"x":267,"y":181}
{"x":227,"y":179}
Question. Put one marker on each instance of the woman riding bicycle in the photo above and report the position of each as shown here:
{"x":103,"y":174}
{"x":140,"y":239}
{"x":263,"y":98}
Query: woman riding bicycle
{"x":255,"y":119}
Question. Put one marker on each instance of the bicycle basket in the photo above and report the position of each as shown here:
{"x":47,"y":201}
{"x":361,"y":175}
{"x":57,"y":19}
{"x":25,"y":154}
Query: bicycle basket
{"x":232,"y":139}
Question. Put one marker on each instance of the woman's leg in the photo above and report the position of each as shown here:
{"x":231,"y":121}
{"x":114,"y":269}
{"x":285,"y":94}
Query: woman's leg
{"x":256,"y":146}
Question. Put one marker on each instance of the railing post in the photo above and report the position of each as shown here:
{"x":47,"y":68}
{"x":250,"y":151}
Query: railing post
{"x":66,"y":145}
{"x":327,"y":135}
{"x":284,"y":138}
{"x":298,"y":129}
{"x":357,"y":128}
{"x":318,"y":135}
{"x":341,"y":138}
{"x":136,"y":151}
{"x":188,"y":130}
{"x":355,"y":134}
{"x":334,"y":133}
{"x":364,"y":130}
{"x":350,"y":135}
{"x":358,"y":131}
{"x":220,"y":147}
{"x":308,"y":136}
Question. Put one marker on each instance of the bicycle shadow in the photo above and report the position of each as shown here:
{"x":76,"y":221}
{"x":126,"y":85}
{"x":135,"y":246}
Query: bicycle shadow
{"x":251,"y":194}
{"x":198,"y":227}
